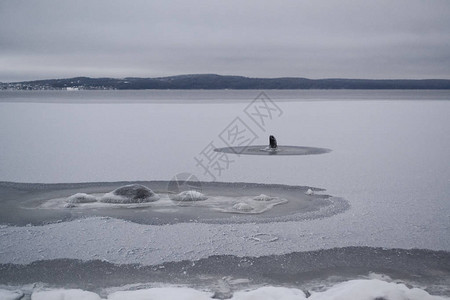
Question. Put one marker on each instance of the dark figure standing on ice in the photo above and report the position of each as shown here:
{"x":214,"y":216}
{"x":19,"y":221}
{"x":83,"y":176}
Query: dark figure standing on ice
{"x":273,"y":142}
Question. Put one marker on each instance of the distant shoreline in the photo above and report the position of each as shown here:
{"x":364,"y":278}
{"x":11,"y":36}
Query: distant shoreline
{"x":219,"y":82}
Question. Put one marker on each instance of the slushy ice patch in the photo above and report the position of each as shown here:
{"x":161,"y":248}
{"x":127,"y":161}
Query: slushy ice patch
{"x":153,"y":203}
{"x":138,"y":196}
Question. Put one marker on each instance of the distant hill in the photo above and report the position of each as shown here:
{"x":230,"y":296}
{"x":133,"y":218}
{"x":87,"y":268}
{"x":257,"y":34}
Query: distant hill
{"x":212,"y":81}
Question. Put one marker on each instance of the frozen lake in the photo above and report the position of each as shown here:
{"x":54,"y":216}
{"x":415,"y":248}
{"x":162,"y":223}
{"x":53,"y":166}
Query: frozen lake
{"x":389,"y":160}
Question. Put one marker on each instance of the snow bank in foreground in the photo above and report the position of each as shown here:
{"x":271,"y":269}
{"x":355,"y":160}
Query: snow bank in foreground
{"x":10,"y":295}
{"x":270,"y":293}
{"x":65,"y":295}
{"x":362,"y":289}
{"x":373,"y":289}
{"x":166,"y":293}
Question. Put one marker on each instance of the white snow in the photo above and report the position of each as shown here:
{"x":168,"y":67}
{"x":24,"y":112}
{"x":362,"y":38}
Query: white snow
{"x":372,"y":289}
{"x":81,"y":198}
{"x":270,"y":293}
{"x":189,"y":196}
{"x":165,"y":293}
{"x":61,"y":294}
{"x":10,"y":295}
{"x":360,"y":289}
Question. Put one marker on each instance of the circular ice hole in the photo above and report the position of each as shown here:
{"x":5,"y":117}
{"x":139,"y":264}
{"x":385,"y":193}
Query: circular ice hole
{"x":280,"y":150}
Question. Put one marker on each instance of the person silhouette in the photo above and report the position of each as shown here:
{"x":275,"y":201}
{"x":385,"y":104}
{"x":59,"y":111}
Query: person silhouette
{"x":273,"y":142}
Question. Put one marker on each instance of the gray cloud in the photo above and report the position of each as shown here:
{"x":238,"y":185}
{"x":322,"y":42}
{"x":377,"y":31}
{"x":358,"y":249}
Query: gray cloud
{"x":316,"y":39}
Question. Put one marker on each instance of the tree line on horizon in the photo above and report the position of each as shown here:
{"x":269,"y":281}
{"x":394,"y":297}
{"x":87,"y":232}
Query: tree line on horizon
{"x":212,"y":81}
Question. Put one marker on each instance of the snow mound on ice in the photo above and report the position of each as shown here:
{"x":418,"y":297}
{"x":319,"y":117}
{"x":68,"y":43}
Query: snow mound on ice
{"x":189,"y":196}
{"x":81,"y":198}
{"x":251,"y":205}
{"x":133,"y":193}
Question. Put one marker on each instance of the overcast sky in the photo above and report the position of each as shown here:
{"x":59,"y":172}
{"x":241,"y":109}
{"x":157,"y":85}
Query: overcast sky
{"x":310,"y":38}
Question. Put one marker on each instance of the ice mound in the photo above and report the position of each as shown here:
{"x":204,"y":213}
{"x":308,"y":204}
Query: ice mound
{"x":309,"y":192}
{"x":133,"y":193}
{"x":10,"y":295}
{"x":263,"y":197}
{"x":241,"y":206}
{"x":189,"y":196}
{"x":81,"y":198}
{"x":248,"y":204}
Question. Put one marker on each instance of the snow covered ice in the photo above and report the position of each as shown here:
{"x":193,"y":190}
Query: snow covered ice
{"x":311,"y":224}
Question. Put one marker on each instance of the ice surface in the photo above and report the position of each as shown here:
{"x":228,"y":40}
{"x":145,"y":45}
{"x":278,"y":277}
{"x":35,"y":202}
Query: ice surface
{"x":109,"y":239}
{"x":385,"y":148}
{"x":384,"y":154}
